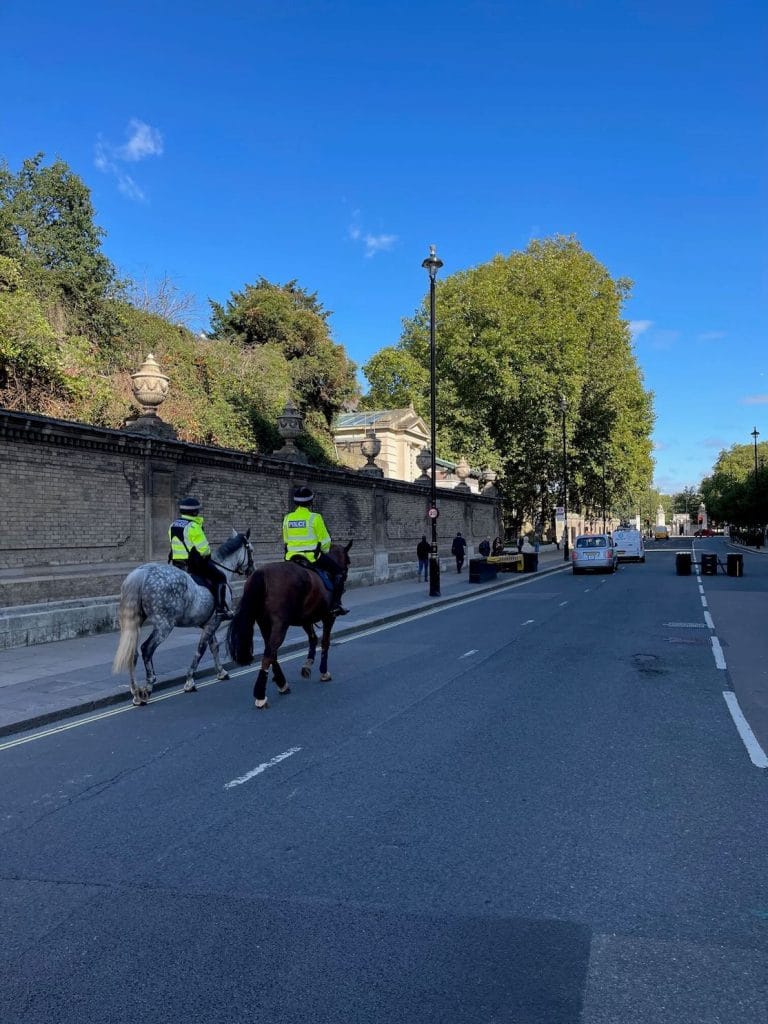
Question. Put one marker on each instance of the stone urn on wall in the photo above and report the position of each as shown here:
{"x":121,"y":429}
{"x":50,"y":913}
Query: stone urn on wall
{"x":289,"y":426}
{"x":370,"y":447}
{"x":424,"y":462}
{"x":150,"y":389}
{"x":462,"y":472}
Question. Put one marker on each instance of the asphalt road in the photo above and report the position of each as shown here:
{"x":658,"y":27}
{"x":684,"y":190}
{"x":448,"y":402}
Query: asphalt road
{"x":531,"y":807}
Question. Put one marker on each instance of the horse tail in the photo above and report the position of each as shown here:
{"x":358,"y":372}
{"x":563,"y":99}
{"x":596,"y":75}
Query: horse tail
{"x":130,"y":622}
{"x":240,"y":633}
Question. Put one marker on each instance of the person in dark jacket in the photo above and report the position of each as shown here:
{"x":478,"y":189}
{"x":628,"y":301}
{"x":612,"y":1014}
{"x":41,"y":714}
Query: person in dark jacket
{"x":422,"y":553}
{"x":485,"y":547}
{"x":459,"y":550}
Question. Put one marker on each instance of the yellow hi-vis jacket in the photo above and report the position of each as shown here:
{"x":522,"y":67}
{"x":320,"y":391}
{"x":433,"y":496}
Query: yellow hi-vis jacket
{"x":303,"y":530}
{"x":186,"y":533}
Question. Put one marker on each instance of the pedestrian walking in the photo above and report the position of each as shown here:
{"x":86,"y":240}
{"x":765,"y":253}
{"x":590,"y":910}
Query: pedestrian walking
{"x":459,"y":550}
{"x":422,"y":553}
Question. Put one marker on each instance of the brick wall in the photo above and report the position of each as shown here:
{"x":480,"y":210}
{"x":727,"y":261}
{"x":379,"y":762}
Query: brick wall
{"x":75,"y":495}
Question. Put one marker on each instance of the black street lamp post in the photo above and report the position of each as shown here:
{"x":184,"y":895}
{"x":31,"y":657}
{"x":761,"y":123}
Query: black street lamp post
{"x":563,"y":410}
{"x":603,"y":493}
{"x":758,"y":525}
{"x":432,"y":264}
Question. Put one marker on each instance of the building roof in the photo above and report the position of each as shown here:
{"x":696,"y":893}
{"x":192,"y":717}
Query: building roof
{"x":378,"y":419}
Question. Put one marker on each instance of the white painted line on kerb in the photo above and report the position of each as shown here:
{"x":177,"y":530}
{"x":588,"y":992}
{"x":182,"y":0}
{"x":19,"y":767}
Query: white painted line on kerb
{"x":703,"y":601}
{"x":708,"y":620}
{"x":701,"y":589}
{"x":129,"y":708}
{"x":468,"y":653}
{"x":756,"y":753}
{"x":717,"y":650}
{"x":262,"y":768}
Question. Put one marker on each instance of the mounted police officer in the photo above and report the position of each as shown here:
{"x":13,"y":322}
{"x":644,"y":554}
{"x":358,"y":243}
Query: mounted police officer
{"x":303,"y":533}
{"x":191,"y":551}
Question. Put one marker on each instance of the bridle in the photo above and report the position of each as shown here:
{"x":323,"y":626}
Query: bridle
{"x":238,"y":570}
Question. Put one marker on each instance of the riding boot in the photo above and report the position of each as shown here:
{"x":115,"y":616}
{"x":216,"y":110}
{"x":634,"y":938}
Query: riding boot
{"x":338,"y":590}
{"x":220,"y":602}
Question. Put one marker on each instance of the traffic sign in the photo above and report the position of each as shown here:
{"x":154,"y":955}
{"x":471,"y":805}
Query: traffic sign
{"x":433,"y":512}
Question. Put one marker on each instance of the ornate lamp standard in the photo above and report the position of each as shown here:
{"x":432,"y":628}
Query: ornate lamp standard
{"x":563,"y":410}
{"x":432,"y":264}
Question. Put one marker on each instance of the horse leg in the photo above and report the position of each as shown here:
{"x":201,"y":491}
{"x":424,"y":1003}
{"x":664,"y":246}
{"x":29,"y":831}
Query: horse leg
{"x":306,"y":668}
{"x":207,"y":639}
{"x":213,"y":643}
{"x":273,"y":639}
{"x":325,"y":643}
{"x":279,"y":677}
{"x":161,"y":630}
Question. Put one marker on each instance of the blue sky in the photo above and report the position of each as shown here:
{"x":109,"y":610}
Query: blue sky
{"x":333,"y":142}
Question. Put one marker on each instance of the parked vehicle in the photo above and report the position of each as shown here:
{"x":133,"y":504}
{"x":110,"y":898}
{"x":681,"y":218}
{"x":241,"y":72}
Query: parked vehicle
{"x":704,"y":533}
{"x":661,"y":532}
{"x":629,"y":545}
{"x":594,"y":552}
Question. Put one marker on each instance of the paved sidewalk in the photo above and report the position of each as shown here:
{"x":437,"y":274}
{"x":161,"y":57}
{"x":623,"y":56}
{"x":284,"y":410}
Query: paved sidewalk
{"x":48,"y":682}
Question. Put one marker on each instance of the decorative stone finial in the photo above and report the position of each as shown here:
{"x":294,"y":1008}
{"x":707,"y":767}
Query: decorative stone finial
{"x":150,"y":389}
{"x":423,"y":461}
{"x":370,"y":447}
{"x":462,"y":472}
{"x":289,"y":426}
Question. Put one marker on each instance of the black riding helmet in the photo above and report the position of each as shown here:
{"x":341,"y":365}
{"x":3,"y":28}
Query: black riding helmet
{"x":303,"y":495}
{"x":190,"y":506}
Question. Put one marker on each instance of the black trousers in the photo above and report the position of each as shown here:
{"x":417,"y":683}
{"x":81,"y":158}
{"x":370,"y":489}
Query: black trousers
{"x":197,"y":565}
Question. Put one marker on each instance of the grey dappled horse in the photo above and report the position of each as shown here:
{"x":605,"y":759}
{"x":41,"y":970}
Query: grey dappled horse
{"x":165,"y":596}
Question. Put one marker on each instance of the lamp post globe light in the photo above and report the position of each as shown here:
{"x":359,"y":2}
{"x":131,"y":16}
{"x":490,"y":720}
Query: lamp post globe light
{"x":563,"y":410}
{"x":432,"y":264}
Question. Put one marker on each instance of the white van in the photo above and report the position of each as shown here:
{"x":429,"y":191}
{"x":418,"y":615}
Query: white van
{"x":629,"y":545}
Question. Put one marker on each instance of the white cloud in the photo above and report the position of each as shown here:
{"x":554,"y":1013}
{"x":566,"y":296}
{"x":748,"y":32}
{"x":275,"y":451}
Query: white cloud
{"x":129,"y":188}
{"x":711,"y":336}
{"x":143,"y":141}
{"x":755,"y":400}
{"x":378,"y":243}
{"x":372,"y":244}
{"x":638,"y":327}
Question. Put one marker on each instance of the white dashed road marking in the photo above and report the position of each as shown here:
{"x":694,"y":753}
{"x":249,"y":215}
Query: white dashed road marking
{"x":717,"y":650}
{"x":468,"y":653}
{"x":756,"y":753}
{"x":262,"y":768}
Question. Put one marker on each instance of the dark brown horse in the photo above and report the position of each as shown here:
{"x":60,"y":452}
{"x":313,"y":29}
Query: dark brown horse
{"x":276,"y":596}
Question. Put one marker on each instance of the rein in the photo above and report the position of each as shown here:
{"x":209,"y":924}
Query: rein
{"x":238,"y":570}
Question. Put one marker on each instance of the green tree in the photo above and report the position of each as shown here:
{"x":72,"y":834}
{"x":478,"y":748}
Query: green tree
{"x":514,"y":337}
{"x":293,"y":319}
{"x":47,"y":226}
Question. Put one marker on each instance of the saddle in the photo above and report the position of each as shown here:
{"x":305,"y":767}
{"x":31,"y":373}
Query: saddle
{"x":313,"y":567}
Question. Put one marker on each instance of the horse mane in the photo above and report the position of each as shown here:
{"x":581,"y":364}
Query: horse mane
{"x":231,"y":545}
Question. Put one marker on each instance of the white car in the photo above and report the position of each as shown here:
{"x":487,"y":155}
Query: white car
{"x":629,"y":545}
{"x":594,"y":552}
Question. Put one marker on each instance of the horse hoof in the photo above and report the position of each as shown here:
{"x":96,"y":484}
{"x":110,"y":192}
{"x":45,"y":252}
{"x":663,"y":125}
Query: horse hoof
{"x":261,"y":705}
{"x":284,"y":691}
{"x":223,"y":675}
{"x":190,"y":688}
{"x":325,"y":677}
{"x":136,"y":702}
{"x":306,"y":673}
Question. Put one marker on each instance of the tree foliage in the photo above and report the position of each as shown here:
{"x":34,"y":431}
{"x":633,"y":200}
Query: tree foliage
{"x":736,"y":492}
{"x":295,"y":320}
{"x":516,"y":337}
{"x":71,"y":333}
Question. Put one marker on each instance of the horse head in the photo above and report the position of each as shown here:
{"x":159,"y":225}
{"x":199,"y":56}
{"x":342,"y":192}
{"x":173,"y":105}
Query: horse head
{"x":340,"y":555}
{"x":238,"y":545}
